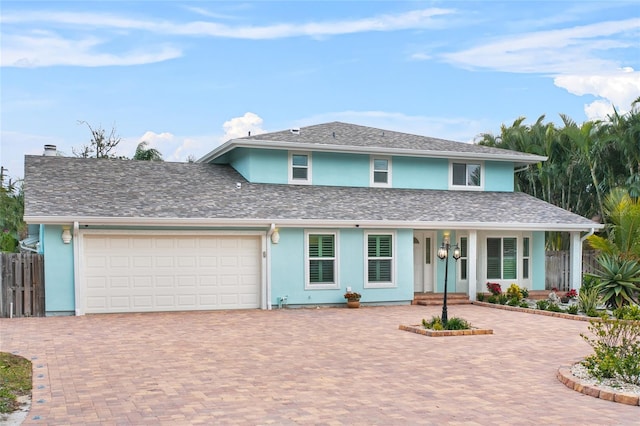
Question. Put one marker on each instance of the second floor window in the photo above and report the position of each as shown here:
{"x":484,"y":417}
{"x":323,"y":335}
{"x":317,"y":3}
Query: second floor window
{"x":299,"y":168}
{"x":380,"y":171}
{"x":467,"y":174}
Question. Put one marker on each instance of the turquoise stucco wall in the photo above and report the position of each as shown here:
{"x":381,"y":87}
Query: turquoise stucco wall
{"x":538,"y":269}
{"x":343,"y":169}
{"x":420,"y":173}
{"x":287,"y":270}
{"x":440,"y":265}
{"x":498,"y":176}
{"x":58,"y":272}
{"x":337,"y":169}
{"x":260,"y":165}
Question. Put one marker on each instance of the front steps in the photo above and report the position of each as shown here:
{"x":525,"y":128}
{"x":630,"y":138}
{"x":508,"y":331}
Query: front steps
{"x":431,"y":299}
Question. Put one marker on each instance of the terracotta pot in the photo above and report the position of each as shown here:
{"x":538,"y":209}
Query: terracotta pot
{"x":353,"y":303}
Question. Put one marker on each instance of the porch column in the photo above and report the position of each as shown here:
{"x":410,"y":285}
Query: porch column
{"x":472,"y":255}
{"x":576,"y":260}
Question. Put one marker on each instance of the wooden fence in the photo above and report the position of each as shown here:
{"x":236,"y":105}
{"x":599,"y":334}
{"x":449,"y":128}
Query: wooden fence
{"x":558,"y":267}
{"x":22,"y":285}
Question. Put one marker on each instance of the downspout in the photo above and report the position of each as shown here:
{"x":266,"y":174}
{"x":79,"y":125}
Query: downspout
{"x":587,"y":235}
{"x":76,"y":266}
{"x":268,"y":268}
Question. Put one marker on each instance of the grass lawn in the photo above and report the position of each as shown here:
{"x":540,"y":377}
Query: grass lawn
{"x":15,"y":380}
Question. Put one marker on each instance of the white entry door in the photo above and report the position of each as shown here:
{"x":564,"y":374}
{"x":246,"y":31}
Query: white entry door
{"x":423,"y":262}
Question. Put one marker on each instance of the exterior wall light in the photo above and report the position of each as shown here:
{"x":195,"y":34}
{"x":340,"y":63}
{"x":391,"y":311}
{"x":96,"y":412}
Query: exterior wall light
{"x":275,"y":236}
{"x":66,"y":234}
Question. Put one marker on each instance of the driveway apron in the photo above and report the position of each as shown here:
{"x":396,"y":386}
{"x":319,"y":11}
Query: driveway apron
{"x":330,"y":366}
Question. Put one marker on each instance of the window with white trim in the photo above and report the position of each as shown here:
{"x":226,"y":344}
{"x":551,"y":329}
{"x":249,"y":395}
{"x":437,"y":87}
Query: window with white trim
{"x":464,"y":258}
{"x":380,"y":260}
{"x":525,"y":257}
{"x":299,"y":168}
{"x":321,"y":260}
{"x":380,"y":171}
{"x":468,"y":175}
{"x":502,"y":258}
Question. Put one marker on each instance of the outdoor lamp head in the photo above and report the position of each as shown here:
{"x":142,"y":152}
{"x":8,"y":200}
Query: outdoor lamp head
{"x":456,"y":252}
{"x":442,"y":252}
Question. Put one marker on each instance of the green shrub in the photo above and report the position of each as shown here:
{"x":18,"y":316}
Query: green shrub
{"x":542,"y":305}
{"x":480,"y":297}
{"x":553,"y":307}
{"x":492,"y":299}
{"x":503,"y":298}
{"x":588,"y":299}
{"x":588,"y":282}
{"x":525,"y":292}
{"x":453,"y":323}
{"x":572,"y":309}
{"x":627,"y":312}
{"x":513,"y":292}
{"x":619,"y":280}
{"x":434,"y":324}
{"x":513,"y":302}
{"x":616,"y":347}
{"x":523,"y":304}
{"x":456,"y":323}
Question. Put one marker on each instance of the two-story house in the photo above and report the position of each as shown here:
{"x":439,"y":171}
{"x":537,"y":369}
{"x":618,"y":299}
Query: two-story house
{"x":293,"y":217}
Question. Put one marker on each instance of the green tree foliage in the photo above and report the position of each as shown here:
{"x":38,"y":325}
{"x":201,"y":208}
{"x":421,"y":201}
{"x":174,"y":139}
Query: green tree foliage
{"x":584,"y":162}
{"x":12,"y":227}
{"x":147,"y":154}
{"x":622,"y":217}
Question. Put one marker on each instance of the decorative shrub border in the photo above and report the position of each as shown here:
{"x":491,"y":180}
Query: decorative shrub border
{"x":573,"y":382}
{"x":418,"y":329}
{"x":536,"y":311}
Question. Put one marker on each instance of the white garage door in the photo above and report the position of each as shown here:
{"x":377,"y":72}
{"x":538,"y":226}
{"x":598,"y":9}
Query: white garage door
{"x":150,"y":273}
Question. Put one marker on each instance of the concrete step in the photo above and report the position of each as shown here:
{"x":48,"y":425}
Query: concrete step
{"x":431,"y":299}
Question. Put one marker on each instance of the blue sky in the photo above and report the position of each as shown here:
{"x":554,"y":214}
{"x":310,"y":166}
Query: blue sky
{"x":186,"y":76}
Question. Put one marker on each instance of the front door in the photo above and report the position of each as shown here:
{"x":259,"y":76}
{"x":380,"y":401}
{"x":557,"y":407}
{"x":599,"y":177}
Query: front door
{"x":423,"y":262}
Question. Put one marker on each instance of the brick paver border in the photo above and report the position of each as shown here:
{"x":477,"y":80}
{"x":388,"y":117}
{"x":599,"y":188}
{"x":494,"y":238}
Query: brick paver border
{"x":573,"y":382}
{"x":442,"y":333}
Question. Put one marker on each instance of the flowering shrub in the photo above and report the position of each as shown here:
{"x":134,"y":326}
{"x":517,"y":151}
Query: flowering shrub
{"x":571,"y":294}
{"x":494,"y":288}
{"x":352,"y":296}
{"x":514,"y":292}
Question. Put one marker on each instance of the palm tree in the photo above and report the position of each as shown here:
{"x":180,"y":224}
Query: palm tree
{"x":147,"y":154}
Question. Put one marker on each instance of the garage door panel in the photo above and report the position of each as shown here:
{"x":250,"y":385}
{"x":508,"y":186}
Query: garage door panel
{"x":137,"y":273}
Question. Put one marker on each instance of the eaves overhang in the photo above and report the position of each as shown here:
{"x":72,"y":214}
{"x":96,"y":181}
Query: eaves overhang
{"x":301,"y":223}
{"x":518,"y":158}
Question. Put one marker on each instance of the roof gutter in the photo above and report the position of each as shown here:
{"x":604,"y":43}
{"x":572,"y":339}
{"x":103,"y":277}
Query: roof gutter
{"x":301,"y":223}
{"x":235,"y":143}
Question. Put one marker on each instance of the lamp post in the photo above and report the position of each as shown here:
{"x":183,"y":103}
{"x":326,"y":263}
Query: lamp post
{"x":443,"y":254}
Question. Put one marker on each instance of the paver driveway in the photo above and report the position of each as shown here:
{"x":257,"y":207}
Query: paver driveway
{"x":313,"y":366}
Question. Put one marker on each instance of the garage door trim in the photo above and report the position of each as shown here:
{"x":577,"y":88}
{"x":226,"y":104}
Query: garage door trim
{"x":80,"y":284}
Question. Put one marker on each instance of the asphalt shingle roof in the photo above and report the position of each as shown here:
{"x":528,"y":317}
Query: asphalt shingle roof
{"x":345,"y":134}
{"x":110,"y":188}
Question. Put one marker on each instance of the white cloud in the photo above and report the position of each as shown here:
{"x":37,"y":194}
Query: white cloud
{"x":419,"y":56}
{"x":41,"y":49}
{"x":239,"y":127}
{"x":552,"y":51}
{"x":560,"y":53}
{"x":618,"y":88}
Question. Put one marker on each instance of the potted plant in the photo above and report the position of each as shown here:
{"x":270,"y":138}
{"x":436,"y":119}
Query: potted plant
{"x":353,"y":299}
{"x":570,"y":295}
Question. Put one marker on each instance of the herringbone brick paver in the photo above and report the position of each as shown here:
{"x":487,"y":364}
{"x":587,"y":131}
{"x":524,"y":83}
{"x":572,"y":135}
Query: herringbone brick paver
{"x":328,"y":366}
